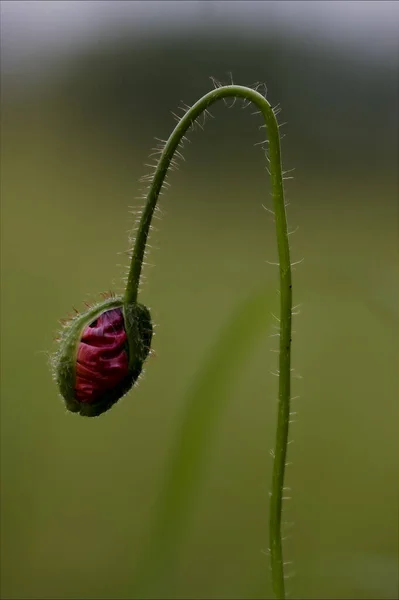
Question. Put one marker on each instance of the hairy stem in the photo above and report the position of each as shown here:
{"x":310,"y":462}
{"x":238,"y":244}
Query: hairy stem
{"x":275,"y":169}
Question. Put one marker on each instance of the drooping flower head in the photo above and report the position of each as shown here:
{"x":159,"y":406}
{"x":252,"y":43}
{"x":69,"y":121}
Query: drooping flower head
{"x":101,"y":355}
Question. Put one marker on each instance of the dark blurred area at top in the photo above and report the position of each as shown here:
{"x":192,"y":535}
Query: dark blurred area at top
{"x":341,"y":105}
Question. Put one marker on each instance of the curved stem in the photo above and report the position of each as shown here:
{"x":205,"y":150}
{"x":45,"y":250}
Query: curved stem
{"x":276,"y":175}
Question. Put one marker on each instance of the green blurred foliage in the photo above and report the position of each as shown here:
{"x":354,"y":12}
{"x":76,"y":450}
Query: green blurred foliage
{"x":78,"y":495}
{"x":204,"y":406}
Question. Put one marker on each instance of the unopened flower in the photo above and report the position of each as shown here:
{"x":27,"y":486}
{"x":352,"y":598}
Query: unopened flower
{"x":101,"y":355}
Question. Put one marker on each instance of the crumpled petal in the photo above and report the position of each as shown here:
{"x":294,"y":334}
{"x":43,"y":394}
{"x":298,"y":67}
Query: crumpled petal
{"x":102,"y":360}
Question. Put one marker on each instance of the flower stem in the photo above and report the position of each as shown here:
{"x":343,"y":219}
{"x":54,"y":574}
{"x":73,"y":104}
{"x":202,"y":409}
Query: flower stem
{"x":171,"y":146}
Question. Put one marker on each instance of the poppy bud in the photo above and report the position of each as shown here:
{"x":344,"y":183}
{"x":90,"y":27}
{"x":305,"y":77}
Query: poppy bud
{"x":101,"y":355}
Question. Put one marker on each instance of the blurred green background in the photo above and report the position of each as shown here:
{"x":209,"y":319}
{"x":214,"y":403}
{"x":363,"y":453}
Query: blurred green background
{"x":81,"y":498}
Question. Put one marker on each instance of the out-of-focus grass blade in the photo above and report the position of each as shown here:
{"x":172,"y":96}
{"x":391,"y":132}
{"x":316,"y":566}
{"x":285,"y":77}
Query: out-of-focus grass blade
{"x":204,"y":404}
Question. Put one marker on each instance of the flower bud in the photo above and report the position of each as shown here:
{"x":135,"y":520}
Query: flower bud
{"x":101,"y":355}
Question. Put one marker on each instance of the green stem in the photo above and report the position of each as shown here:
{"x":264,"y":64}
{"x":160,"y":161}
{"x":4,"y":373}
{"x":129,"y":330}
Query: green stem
{"x":236,"y":91}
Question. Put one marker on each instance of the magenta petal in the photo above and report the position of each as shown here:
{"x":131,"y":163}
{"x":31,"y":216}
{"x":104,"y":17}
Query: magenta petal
{"x":102,"y":360}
